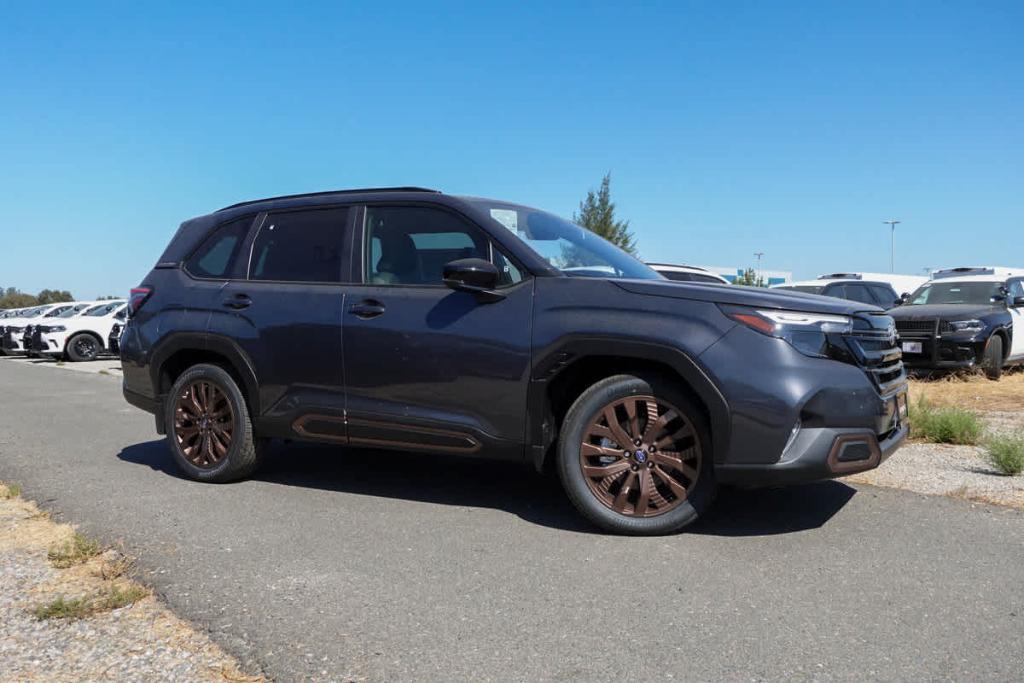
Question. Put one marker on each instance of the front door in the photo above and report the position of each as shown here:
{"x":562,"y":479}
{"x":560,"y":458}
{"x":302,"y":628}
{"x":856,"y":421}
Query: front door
{"x":429,"y":368}
{"x":286,"y":316}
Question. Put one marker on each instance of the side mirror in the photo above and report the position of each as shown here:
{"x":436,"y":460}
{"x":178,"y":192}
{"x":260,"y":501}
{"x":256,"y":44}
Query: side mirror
{"x":1018,"y":301}
{"x":904,"y":298}
{"x":473,"y":275}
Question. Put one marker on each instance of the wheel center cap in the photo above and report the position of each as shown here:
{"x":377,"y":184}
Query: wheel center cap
{"x":204,"y":423}
{"x":641,"y":456}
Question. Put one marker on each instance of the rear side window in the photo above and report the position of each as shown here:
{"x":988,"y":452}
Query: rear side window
{"x":299,"y":246}
{"x":676,"y":276}
{"x":216,"y":256}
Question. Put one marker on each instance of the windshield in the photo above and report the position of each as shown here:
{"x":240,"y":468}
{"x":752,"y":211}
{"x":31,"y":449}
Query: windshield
{"x":573,"y":250}
{"x":806,"y":289}
{"x":104,"y":309}
{"x":978,"y":293}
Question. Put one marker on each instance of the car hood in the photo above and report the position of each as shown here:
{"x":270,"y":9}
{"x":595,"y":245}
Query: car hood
{"x":944,"y":311}
{"x":759,"y":297}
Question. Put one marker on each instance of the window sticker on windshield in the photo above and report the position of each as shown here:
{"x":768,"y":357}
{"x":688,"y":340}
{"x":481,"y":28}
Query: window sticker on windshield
{"x":507,"y":217}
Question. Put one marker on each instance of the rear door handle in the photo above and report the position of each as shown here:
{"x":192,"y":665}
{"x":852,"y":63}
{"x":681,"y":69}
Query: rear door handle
{"x":368,"y":308}
{"x":238,"y":301}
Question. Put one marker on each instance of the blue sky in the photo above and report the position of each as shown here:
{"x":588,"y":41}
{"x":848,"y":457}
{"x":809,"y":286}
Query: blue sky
{"x":728,"y":127}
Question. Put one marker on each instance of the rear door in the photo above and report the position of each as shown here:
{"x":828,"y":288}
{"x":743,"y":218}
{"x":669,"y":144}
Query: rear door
{"x":285,"y":314}
{"x":429,"y":368}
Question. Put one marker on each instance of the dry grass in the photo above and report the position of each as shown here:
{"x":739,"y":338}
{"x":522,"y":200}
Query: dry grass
{"x":94,"y":584}
{"x":973,"y":391}
{"x":9,"y":490}
{"x":76,"y":550}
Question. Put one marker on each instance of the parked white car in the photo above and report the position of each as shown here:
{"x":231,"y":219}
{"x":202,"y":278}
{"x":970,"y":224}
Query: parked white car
{"x":682,"y":273}
{"x":82,"y":337}
{"x":16,"y":328}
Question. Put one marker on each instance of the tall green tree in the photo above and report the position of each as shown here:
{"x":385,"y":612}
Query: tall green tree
{"x":597,"y":214}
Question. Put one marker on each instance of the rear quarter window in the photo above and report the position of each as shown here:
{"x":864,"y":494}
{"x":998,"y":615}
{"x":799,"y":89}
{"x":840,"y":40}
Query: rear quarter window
{"x":217,"y":256}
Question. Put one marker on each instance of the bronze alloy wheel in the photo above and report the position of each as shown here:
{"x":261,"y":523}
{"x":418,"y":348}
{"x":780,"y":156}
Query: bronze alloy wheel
{"x":204,"y":423}
{"x":640,"y":456}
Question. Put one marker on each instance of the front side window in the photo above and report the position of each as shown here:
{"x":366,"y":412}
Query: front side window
{"x":573,"y":250}
{"x":299,"y":246}
{"x":216,"y":256}
{"x":103,"y":309}
{"x":1016,"y":290}
{"x":410,"y":245}
{"x":58,"y":311}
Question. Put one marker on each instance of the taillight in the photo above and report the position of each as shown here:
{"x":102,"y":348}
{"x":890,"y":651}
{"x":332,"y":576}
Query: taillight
{"x":138,"y":296}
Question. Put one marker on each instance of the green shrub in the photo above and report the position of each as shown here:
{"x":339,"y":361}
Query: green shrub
{"x":1006,"y":453}
{"x":944,"y":425}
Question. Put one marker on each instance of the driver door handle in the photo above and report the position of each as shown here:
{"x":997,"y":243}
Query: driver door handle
{"x":238,"y":301}
{"x":367,"y":308}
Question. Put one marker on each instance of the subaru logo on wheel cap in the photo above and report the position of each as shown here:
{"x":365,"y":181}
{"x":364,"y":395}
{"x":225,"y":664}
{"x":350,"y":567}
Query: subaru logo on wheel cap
{"x":640,"y":456}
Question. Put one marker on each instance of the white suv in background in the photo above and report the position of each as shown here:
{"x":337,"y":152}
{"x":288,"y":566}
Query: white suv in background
{"x":84,"y":336}
{"x":17,"y":328}
{"x":687,"y":273}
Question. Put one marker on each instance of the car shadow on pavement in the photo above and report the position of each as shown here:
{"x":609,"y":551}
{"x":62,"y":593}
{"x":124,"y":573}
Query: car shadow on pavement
{"x":518,"y":489}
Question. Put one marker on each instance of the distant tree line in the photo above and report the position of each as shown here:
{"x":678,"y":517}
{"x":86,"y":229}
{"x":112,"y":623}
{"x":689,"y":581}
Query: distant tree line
{"x":12,"y":297}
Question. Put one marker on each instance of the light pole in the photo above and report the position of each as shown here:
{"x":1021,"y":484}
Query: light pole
{"x":758,"y":255}
{"x":892,"y":249}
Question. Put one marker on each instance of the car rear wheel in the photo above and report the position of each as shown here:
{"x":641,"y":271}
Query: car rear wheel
{"x":209,"y":429}
{"x":83,"y":347}
{"x":634,"y":456}
{"x":992,"y":361}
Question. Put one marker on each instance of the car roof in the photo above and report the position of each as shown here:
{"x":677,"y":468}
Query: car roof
{"x":972,"y":278}
{"x":347,"y":194}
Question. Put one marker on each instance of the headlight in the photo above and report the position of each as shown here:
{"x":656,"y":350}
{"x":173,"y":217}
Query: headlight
{"x":55,"y":328}
{"x":806,"y":332}
{"x":966,"y":325}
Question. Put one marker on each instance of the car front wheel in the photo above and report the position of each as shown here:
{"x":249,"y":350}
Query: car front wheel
{"x":209,"y":430}
{"x":83,"y":347}
{"x":634,"y":456}
{"x":992,"y":362}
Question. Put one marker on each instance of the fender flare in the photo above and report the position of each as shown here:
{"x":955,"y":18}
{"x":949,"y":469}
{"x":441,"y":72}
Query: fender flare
{"x":569,"y":350}
{"x":214,"y":343}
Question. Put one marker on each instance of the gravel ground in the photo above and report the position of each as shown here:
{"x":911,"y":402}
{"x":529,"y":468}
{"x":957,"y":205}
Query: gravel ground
{"x":946,"y":470}
{"x":141,"y":642}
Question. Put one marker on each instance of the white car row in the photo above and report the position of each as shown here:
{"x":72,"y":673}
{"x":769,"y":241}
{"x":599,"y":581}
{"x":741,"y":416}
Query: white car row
{"x":75,"y":330}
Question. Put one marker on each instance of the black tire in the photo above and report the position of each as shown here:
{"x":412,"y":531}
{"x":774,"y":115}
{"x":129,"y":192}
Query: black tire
{"x":588,"y":407}
{"x":83,"y":347}
{"x":992,"y":358}
{"x":245,"y":450}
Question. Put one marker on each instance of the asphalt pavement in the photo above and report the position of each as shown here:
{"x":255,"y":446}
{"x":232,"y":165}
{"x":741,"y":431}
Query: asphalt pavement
{"x":338,"y":565}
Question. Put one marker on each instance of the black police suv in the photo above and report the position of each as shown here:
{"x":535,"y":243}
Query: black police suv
{"x":963,"y":318}
{"x":410,"y":319}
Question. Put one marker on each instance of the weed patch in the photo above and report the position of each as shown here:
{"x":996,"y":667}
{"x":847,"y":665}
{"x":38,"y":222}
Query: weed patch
{"x":1006,"y":453}
{"x":113,"y":597}
{"x":944,"y":425}
{"x":76,"y":551}
{"x":9,"y":490}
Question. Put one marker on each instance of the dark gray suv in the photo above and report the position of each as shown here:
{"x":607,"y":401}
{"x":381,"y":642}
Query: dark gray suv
{"x":414,"y":320}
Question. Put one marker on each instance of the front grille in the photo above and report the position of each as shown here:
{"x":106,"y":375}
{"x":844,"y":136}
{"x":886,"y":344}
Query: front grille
{"x":873,"y":347}
{"x":916,"y":327}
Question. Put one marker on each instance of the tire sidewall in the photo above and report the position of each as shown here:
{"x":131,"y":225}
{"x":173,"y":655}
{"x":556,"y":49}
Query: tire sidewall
{"x":584,"y":410}
{"x":993,"y":360}
{"x":224,"y":470}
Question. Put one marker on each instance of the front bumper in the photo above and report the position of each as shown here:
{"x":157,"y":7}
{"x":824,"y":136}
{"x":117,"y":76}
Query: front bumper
{"x":12,"y":342}
{"x":943,"y":352}
{"x":51,"y":344}
{"x":795,"y":418}
{"x":821,"y":453}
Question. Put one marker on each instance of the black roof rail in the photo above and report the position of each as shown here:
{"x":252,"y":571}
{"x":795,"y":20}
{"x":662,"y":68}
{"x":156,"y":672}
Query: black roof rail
{"x":365,"y":190}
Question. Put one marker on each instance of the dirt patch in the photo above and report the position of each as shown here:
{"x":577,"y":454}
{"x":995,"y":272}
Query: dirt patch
{"x":88,"y":619}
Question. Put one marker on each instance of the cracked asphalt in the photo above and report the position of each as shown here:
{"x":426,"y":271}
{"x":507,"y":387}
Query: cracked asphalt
{"x":339,"y":565}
